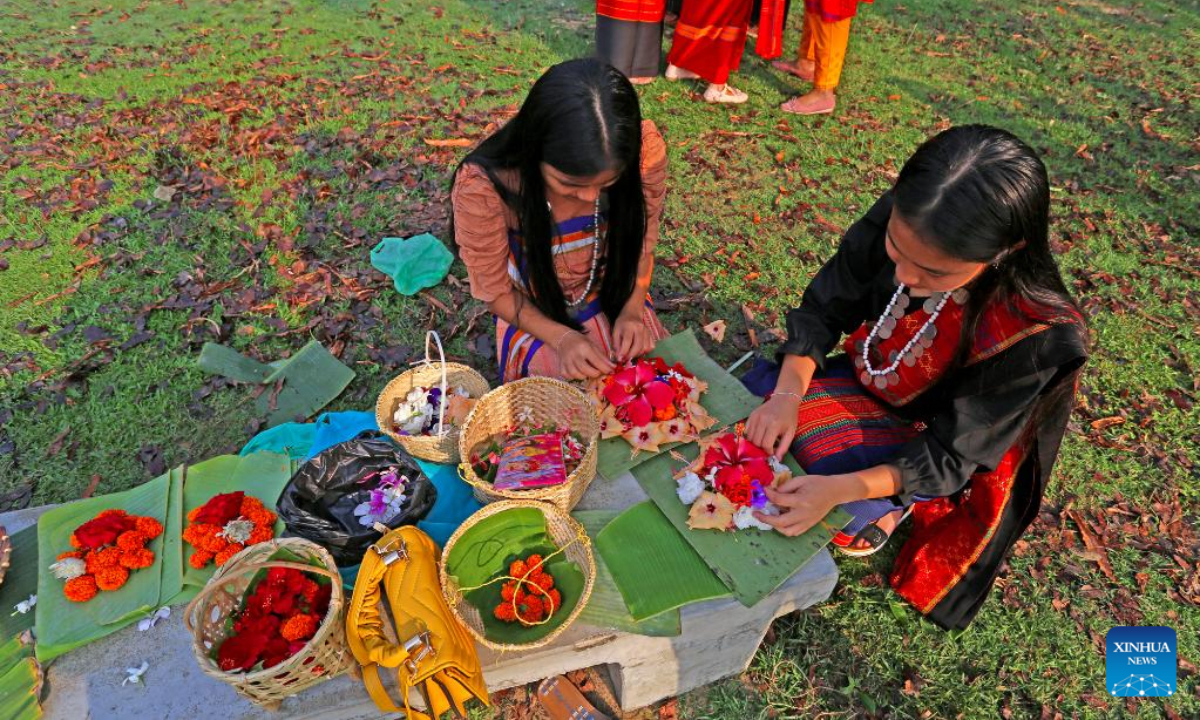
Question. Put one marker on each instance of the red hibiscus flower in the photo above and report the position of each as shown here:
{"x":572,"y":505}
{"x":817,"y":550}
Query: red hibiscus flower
{"x":221,"y":509}
{"x":102,"y":530}
{"x":241,"y":652}
{"x":731,"y":449}
{"x":637,"y":392}
{"x":737,"y":491}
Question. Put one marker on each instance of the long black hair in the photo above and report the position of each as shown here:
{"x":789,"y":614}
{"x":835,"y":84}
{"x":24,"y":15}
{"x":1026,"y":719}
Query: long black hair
{"x":980,"y":194}
{"x":583,"y":118}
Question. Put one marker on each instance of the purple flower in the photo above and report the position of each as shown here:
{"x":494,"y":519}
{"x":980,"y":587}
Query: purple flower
{"x":379,"y":503}
{"x":758,"y":496}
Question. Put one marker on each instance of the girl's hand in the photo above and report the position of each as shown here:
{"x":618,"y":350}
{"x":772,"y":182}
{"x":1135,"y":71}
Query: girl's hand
{"x":580,"y":359}
{"x":772,"y":426}
{"x":804,"y":500}
{"x":631,"y":337}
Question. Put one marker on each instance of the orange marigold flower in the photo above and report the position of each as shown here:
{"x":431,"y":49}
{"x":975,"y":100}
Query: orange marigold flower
{"x":260,"y":517}
{"x":309,"y":590}
{"x":250,"y":504}
{"x":543,"y":580}
{"x":99,"y":559}
{"x":505,"y":612}
{"x":532,"y":603}
{"x":299,"y":627}
{"x":137,"y":559}
{"x":518,"y":569}
{"x":199,"y":559}
{"x":131,"y":540}
{"x":193,"y":513}
{"x":508,"y":591}
{"x":118,"y":512}
{"x":75,"y":542}
{"x":80,"y":589}
{"x":261,"y":535}
{"x":148,"y":526}
{"x":111,"y":578}
{"x":230,"y":550}
{"x":533,"y":563}
{"x":212,"y":544}
{"x":70,"y":554}
{"x":554,"y":602}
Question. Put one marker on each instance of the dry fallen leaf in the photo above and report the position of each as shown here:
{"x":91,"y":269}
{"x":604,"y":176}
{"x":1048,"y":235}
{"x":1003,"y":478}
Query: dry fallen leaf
{"x":716,"y":330}
{"x":458,"y":408}
{"x":452,"y":142}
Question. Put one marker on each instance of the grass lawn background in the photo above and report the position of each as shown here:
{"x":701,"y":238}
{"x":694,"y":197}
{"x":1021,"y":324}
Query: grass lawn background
{"x":175,"y":173}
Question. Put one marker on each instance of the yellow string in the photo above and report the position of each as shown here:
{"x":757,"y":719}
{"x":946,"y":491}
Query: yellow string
{"x":525,"y":581}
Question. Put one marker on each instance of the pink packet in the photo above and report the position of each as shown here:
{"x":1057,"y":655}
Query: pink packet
{"x":531,"y":462}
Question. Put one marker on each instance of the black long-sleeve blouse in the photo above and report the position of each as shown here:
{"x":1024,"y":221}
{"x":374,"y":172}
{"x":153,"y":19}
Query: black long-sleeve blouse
{"x":976,"y":412}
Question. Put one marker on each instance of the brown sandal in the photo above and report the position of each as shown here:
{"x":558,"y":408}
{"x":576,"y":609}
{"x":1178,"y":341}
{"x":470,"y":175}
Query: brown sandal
{"x":563,"y":701}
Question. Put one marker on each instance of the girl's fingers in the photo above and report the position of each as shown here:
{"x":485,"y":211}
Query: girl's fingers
{"x":785,"y":442}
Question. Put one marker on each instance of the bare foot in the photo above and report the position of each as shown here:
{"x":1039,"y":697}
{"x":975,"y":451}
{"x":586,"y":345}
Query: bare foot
{"x":641,"y":80}
{"x":817,"y":102}
{"x":804,"y":69}
{"x":675,"y":72}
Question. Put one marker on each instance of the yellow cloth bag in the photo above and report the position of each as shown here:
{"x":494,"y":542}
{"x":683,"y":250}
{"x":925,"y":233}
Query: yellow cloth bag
{"x":434,"y":654}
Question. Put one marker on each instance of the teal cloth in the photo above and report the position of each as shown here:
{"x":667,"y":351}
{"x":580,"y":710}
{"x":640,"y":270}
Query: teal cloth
{"x":413,"y":264}
{"x":338,"y":427}
{"x":291,"y":439}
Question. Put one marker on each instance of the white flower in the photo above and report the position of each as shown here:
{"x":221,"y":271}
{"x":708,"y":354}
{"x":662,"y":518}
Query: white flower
{"x":135,"y":674}
{"x":26,"y":605}
{"x":690,"y":487}
{"x":744,"y":518}
{"x":391,"y":500}
{"x":777,"y":466}
{"x":525,"y":415}
{"x":151,"y":620}
{"x":237,"y":531}
{"x":712,"y":476}
{"x":68,"y":568}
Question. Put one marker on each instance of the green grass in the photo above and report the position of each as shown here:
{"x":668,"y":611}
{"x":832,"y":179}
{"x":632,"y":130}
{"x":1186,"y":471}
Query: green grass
{"x":287,"y":107}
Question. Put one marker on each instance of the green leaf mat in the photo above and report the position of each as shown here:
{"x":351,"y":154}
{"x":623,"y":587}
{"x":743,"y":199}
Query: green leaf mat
{"x":654,"y":568}
{"x":753,"y":563}
{"x":726,"y":399}
{"x":606,"y":608}
{"x":487,"y":548}
{"x":19,"y":678}
{"x":62,"y":625}
{"x":311,"y":379}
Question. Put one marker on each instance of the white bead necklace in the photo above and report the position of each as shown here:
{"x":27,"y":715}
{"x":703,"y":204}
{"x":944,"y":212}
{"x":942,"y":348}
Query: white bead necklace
{"x":921,"y":340}
{"x":595,"y":252}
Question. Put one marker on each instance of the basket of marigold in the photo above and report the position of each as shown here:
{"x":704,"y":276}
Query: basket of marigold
{"x":224,"y":526}
{"x":269,"y":621}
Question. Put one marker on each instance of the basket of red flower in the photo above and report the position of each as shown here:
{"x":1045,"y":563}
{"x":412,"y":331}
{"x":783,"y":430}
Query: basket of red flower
{"x":269,"y":622}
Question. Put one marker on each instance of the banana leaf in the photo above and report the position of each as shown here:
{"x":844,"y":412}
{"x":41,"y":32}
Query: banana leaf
{"x":261,"y":475}
{"x":62,"y":625}
{"x":606,"y":607}
{"x":20,"y":582}
{"x":485,"y":551}
{"x":171,"y":590}
{"x":753,"y":563}
{"x":726,"y":399}
{"x":654,"y":568}
{"x":19,"y":686}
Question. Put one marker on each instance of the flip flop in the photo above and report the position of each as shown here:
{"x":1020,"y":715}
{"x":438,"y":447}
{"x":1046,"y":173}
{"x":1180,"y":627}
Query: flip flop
{"x":563,"y":701}
{"x":874,"y":536}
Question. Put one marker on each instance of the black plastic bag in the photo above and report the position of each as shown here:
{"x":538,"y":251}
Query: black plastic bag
{"x":318,"y":502}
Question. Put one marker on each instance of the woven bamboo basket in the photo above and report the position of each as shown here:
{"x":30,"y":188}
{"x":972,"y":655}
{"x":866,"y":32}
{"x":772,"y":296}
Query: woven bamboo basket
{"x":551,"y":402}
{"x":443,"y":446}
{"x":324,"y":657}
{"x":564,"y":531}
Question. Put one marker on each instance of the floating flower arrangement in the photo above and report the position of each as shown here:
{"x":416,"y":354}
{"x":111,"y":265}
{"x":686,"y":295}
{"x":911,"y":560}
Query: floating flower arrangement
{"x":107,"y":549}
{"x":650,"y":403}
{"x":726,"y":484}
{"x":225,"y":525}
